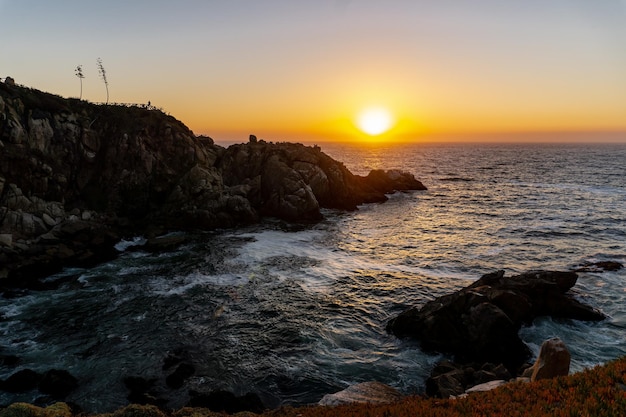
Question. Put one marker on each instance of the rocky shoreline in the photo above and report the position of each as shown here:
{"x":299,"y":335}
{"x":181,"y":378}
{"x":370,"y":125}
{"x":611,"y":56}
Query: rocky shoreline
{"x":76,"y":177}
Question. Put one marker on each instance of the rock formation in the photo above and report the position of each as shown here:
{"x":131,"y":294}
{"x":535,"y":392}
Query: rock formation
{"x":75,"y":177}
{"x":480,"y":323}
{"x":553,"y":360}
{"x":365,"y":392}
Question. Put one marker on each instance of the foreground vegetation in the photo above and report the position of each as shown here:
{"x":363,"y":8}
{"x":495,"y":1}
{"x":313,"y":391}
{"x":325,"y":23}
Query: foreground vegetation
{"x":596,"y":392}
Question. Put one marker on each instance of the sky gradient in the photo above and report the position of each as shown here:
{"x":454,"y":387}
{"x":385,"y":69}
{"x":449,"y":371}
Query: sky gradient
{"x":303,"y":70}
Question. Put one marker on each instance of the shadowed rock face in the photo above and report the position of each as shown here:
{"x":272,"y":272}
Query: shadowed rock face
{"x":75,"y":177}
{"x":481,"y":322}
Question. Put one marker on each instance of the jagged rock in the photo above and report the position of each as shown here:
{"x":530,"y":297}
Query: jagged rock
{"x":449,"y":384}
{"x":449,"y":379}
{"x":365,"y":392}
{"x":486,"y":386}
{"x":177,"y":378}
{"x":57,"y":383}
{"x":141,"y":391}
{"x":23,"y":380}
{"x":600,"y":266}
{"x":124,"y":170}
{"x":553,"y":360}
{"x":480,"y":322}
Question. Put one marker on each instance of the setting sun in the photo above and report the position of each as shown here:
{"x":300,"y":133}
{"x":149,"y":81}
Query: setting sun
{"x":374,"y":121}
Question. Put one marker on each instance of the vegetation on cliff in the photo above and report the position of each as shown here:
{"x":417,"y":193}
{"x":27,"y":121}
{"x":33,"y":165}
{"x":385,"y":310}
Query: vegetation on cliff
{"x":597,"y":392}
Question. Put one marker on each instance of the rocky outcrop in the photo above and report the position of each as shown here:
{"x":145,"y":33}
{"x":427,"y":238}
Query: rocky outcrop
{"x":365,"y":392}
{"x":480,"y":323}
{"x":293,"y":181}
{"x":553,"y":360}
{"x":56,"y":383}
{"x":449,"y":379}
{"x":75,"y":176}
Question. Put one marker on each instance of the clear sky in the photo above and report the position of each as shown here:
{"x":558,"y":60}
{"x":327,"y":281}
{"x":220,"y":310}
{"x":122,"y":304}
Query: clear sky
{"x":303,"y":70}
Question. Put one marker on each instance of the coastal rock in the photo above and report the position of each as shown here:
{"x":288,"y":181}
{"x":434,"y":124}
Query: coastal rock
{"x":177,"y":378}
{"x":57,"y":383}
{"x":365,"y":392}
{"x":480,"y":323}
{"x":293,"y":181}
{"x":21,"y":381}
{"x":449,"y":379}
{"x":75,"y":177}
{"x":600,"y":266}
{"x":553,"y":360}
{"x":487,"y":386}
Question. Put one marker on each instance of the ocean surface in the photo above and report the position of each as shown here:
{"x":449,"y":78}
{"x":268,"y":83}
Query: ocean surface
{"x":292,"y":312}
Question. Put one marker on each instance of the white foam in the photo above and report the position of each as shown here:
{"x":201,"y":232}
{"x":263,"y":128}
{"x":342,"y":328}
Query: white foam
{"x":122,"y":245}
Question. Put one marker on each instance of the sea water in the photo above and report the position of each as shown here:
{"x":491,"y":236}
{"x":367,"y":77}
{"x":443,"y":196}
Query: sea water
{"x":293,"y":312}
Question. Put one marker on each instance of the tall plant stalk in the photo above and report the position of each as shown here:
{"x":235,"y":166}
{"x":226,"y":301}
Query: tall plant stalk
{"x":79,"y":73}
{"x":103,"y":75}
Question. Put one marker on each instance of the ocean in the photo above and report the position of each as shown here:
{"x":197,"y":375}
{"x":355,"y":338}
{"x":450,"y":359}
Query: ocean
{"x":295,"y":311}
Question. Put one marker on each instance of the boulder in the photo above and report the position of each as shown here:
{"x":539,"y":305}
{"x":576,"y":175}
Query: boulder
{"x":553,"y":360}
{"x":365,"y":392}
{"x":480,"y":323}
{"x":600,"y":266}
{"x":449,"y":379}
{"x":57,"y":383}
{"x":177,"y":378}
{"x":21,"y":381}
{"x":487,"y":386}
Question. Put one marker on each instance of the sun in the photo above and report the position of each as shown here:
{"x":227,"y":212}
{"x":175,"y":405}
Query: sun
{"x":374,"y":121}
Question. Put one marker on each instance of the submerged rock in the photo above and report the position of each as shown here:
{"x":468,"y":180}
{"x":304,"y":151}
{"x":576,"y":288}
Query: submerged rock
{"x":480,"y":323}
{"x":365,"y":392}
{"x":21,"y":381}
{"x":57,"y":383}
{"x":600,"y":266}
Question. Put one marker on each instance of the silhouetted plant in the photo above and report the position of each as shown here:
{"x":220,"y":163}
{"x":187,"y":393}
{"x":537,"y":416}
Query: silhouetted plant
{"x":79,"y":73}
{"x":103,"y":75}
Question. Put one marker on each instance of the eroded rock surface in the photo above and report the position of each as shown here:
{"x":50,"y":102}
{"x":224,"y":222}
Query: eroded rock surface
{"x":75,"y":177}
{"x":480,"y":323}
{"x":365,"y":392}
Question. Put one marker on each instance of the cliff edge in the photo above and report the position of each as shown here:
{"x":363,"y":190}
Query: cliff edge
{"x":76,"y":176}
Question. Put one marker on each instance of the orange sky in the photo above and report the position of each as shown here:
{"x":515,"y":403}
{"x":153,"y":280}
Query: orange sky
{"x":298,"y":71}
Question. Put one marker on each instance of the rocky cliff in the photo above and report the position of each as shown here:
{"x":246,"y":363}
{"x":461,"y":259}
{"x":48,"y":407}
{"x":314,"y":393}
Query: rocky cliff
{"x":76,"y":176}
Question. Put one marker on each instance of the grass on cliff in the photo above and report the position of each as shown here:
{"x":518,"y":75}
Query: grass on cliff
{"x":596,"y":392}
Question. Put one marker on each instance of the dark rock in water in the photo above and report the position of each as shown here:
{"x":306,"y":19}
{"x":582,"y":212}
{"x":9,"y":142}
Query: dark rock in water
{"x":600,"y":266}
{"x":392,"y":180}
{"x":446,"y":385}
{"x":480,"y":323}
{"x":141,"y":391}
{"x":21,"y":381}
{"x":177,"y":378}
{"x":449,"y":379}
{"x":9,"y":360}
{"x":163,"y":243}
{"x":224,"y":401}
{"x":57,"y":383}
